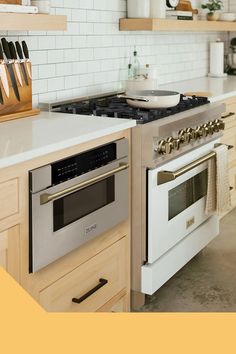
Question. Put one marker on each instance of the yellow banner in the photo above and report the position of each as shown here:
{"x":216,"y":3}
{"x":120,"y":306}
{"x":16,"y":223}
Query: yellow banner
{"x":26,"y":328}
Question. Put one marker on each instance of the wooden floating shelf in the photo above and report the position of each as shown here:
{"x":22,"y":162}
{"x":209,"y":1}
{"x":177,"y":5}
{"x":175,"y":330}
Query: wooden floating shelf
{"x":154,"y":24}
{"x":32,"y":22}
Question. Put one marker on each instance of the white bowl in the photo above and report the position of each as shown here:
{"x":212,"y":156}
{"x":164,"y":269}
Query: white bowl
{"x":42,"y":5}
{"x":227,"y":16}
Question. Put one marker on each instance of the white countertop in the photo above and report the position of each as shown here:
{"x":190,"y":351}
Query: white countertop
{"x":220,"y":88}
{"x":27,"y":138}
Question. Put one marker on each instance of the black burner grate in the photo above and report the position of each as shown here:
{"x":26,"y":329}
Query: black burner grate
{"x":112,"y":106}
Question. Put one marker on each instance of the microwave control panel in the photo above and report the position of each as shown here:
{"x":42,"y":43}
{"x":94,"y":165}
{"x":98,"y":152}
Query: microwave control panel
{"x":83,"y":163}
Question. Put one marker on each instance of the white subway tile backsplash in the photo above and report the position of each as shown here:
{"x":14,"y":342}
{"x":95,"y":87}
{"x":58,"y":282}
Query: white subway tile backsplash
{"x":92,"y":55}
{"x":78,"y":15}
{"x":86,"y":54}
{"x":40,"y":86}
{"x":46,"y":42}
{"x":71,"y":55}
{"x":56,"y":84}
{"x":46,"y":71}
{"x":63,"y":69}
{"x":39,"y":57}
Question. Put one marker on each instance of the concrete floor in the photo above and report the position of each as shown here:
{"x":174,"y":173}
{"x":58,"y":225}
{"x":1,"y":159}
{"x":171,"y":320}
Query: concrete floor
{"x":207,"y":283}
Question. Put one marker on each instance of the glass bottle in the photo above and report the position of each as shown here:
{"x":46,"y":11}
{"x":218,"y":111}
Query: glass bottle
{"x":135,"y":65}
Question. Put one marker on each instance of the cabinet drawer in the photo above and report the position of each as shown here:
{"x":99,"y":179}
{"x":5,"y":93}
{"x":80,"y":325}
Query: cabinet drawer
{"x":229,"y":117}
{"x":105,"y":274}
{"x":9,"y":200}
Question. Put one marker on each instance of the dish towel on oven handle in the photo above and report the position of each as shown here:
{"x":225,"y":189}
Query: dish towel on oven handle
{"x":218,"y":187}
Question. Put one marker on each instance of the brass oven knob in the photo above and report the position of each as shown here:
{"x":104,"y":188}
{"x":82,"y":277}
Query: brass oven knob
{"x":210,"y":126}
{"x":161,"y":147}
{"x":218,"y":125}
{"x":205,"y":130}
{"x":188,"y":135}
{"x":198,"y":133}
{"x":165,"y":146}
{"x":222,"y":124}
{"x":169,"y":145}
{"x":181,"y":135}
{"x":177,"y":142}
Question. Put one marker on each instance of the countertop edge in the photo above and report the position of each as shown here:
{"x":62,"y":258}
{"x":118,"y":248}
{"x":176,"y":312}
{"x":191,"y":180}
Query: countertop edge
{"x":214,"y":99}
{"x":39,"y":152}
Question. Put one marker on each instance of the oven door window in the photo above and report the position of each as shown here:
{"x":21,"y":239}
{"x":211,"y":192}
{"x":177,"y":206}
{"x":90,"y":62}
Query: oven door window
{"x":187,"y":193}
{"x":77,"y":205}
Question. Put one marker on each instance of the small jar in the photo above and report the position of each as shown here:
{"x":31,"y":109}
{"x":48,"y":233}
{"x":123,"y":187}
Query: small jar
{"x":42,"y":5}
{"x":158,"y":8}
{"x":138,"y":8}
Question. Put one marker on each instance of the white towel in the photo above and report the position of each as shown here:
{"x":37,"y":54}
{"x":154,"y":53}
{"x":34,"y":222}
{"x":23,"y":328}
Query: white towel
{"x":218,"y":189}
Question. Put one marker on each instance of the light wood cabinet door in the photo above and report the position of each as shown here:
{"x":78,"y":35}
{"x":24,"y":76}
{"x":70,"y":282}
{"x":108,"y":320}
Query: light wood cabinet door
{"x":232,"y":179}
{"x":229,"y":138}
{"x":92,"y":284}
{"x":9,"y":199}
{"x":121,"y":305}
{"x":229,"y":117}
{"x":9,"y":251}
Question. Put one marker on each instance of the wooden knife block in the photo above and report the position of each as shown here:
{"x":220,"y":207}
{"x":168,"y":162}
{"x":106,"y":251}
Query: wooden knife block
{"x":12,"y":2}
{"x":12,"y":108}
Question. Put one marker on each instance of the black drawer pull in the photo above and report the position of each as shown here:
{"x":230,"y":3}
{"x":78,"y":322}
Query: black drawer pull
{"x":230,"y":114}
{"x":231,"y":188}
{"x":102,"y":282}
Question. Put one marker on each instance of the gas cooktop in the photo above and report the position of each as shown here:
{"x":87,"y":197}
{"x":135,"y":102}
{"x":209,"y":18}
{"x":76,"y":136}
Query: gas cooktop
{"x":112,"y":106}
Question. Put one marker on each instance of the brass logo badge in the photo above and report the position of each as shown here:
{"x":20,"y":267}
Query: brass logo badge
{"x":190,"y":223}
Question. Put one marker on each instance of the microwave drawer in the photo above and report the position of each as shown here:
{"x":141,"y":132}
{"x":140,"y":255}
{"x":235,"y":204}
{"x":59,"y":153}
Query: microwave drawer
{"x":9,"y":199}
{"x":91,"y":285}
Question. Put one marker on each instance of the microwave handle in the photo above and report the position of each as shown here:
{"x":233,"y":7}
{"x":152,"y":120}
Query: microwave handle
{"x":46,"y":197}
{"x":168,"y":176}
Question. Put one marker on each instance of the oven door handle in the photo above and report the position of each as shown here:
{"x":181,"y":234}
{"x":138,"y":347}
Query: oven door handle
{"x":168,"y":176}
{"x":46,"y":197}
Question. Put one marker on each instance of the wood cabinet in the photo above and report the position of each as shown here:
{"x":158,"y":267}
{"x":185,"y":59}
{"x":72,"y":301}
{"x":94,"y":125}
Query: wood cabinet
{"x":119,"y":303}
{"x":91,"y":285}
{"x":9,"y":199}
{"x":230,"y":138}
{"x":98,"y":271}
{"x":9,"y":251}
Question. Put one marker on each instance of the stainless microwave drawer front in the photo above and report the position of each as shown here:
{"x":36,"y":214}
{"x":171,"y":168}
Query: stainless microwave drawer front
{"x":47,"y":245}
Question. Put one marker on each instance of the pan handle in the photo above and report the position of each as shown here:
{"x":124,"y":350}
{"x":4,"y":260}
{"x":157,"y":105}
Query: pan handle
{"x":132,"y":98}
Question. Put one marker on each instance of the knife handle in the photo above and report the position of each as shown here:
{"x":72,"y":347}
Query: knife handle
{"x":6,"y":48}
{"x":1,"y":53}
{"x":25,"y":49}
{"x":12,"y":50}
{"x":19,"y":50}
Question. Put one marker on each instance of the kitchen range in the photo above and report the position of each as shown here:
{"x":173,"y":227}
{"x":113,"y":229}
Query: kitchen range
{"x":171,"y":148}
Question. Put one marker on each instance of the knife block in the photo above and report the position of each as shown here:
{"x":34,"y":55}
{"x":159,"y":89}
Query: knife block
{"x":12,"y":2}
{"x":12,"y":108}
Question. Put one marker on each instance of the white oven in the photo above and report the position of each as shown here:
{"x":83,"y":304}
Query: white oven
{"x":176,"y":212}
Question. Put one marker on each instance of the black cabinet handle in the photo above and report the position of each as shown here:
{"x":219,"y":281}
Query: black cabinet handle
{"x":230,"y":114}
{"x":102,"y":282}
{"x":231,"y":188}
